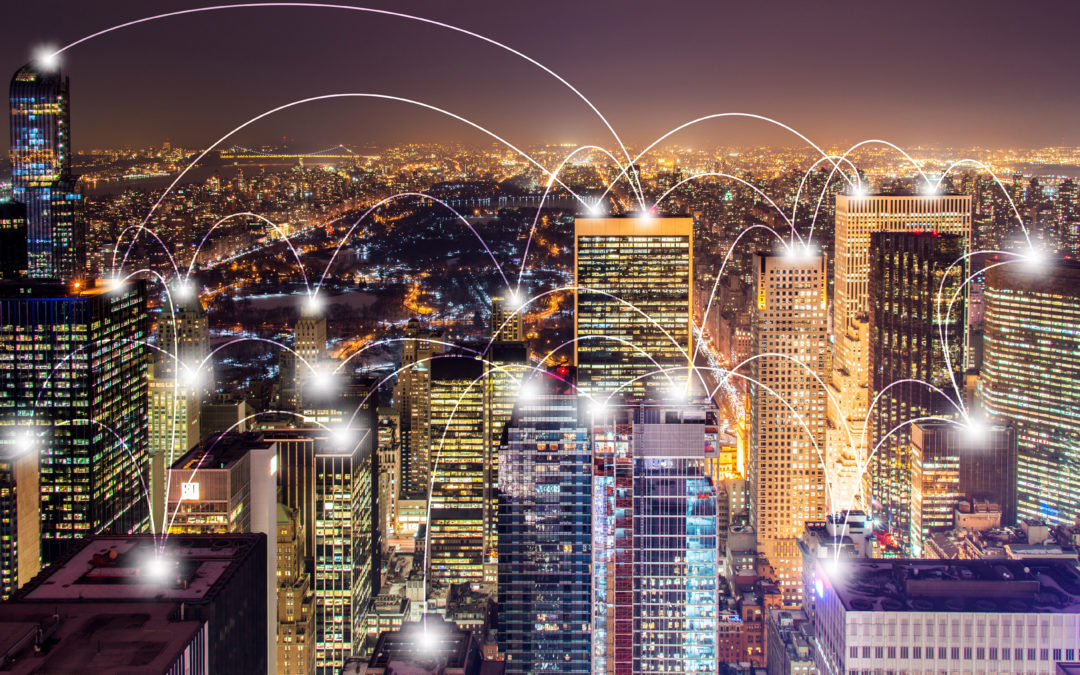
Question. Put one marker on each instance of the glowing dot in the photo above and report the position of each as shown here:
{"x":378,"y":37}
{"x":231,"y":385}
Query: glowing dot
{"x":314,"y":304}
{"x":1034,"y":258}
{"x":859,"y":190}
{"x":322,"y":379}
{"x":596,"y":210}
{"x":46,"y":58}
{"x":192,"y":375}
{"x":975,"y":430}
{"x":599,"y":409}
{"x":428,"y":639}
{"x":184,"y":290}
{"x":158,"y":567}
{"x":529,"y":390}
{"x":24,"y":441}
{"x":341,"y":436}
{"x":930,"y":188}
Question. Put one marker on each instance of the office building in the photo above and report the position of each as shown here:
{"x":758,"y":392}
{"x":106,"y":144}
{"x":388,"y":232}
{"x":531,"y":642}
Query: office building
{"x":946,"y":616}
{"x":1031,"y":377}
{"x":545,"y":537}
{"x":655,"y":566}
{"x":911,"y":280}
{"x":949,"y":465}
{"x":74,"y":385}
{"x":507,"y":371}
{"x":344,"y":554}
{"x":787,"y":481}
{"x":296,"y":634}
{"x":412,"y":398}
{"x":857,"y":217}
{"x":213,"y":587}
{"x":172,"y":428}
{"x":41,"y":173}
{"x":788,"y":638}
{"x":455,"y":547}
{"x":634,"y":279}
{"x":20,"y":529}
{"x":506,"y":319}
{"x":389,"y":466}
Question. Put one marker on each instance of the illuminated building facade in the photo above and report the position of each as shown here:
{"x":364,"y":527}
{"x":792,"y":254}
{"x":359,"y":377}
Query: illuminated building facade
{"x":654,"y":533}
{"x":507,"y":369}
{"x":857,"y":217}
{"x":344,"y":554}
{"x":74,"y":377}
{"x":1031,"y":376}
{"x":412,"y":398}
{"x":634,"y":277}
{"x":912,"y":278}
{"x":948,"y":464}
{"x":456,"y":526}
{"x":545,"y":538}
{"x":20,"y":535}
{"x":786,"y":479}
{"x":41,"y":173}
{"x":295,"y":598}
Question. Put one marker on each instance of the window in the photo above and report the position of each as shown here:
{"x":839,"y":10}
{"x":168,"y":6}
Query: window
{"x":1044,"y":654}
{"x":892,"y":652}
{"x":1031,"y":654}
{"x":980,"y":653}
{"x":967,"y":653}
{"x":942,"y":653}
{"x":1057,"y":655}
{"x":904,"y":652}
{"x":916,"y":653}
{"x":993,"y":653}
{"x":955,"y":652}
{"x":879,"y":652}
{"x":853,"y":652}
{"x":866,"y":652}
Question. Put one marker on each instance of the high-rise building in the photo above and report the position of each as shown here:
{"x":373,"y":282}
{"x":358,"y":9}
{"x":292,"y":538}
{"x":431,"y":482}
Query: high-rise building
{"x":507,"y":369}
{"x":979,"y":616}
{"x":857,"y":217}
{"x":430,"y":646}
{"x":226,"y":485}
{"x":20,"y":531}
{"x":41,"y":173}
{"x":389,"y":475}
{"x":74,"y":383}
{"x":506,"y":323}
{"x":328,"y":479}
{"x":655,"y":558}
{"x":634,"y":279}
{"x":194,"y":604}
{"x":950,"y":463}
{"x":344,"y":553}
{"x":12,"y":240}
{"x":456,"y":526}
{"x":183,"y":336}
{"x":295,"y":598}
{"x":545,"y":537}
{"x":912,"y":279}
{"x":787,"y":479}
{"x":1031,"y":377}
{"x":412,"y":398}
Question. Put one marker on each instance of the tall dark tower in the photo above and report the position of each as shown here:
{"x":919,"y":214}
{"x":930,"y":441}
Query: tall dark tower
{"x":41,"y":173}
{"x":907,"y":324}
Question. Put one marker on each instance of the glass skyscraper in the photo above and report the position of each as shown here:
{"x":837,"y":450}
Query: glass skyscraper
{"x":632,"y":307}
{"x":41,"y":173}
{"x":73,"y":377}
{"x":910,"y":323}
{"x":544,"y":526}
{"x":655,"y":557}
{"x":1031,"y":376}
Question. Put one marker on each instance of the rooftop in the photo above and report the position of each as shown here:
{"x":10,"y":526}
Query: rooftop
{"x":1020,"y":586}
{"x":120,"y":638}
{"x":220,"y":452}
{"x":192,"y":569}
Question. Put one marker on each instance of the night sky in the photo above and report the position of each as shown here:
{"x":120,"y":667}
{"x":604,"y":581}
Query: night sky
{"x":942,"y":73}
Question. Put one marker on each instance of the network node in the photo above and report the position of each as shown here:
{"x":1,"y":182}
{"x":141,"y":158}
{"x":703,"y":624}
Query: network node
{"x":46,"y":58}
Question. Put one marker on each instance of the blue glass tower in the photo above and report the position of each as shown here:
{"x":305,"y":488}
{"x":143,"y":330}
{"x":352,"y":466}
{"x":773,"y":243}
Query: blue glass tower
{"x":544,"y":541}
{"x":41,"y":173}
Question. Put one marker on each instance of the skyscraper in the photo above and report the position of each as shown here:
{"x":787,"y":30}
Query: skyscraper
{"x":545,"y":537}
{"x":456,"y":524}
{"x":1031,"y":376}
{"x":786,"y":476}
{"x":412,"y":398}
{"x":41,"y":173}
{"x":295,"y":599}
{"x":911,"y":281}
{"x":655,"y":558}
{"x":857,"y":216}
{"x":634,"y":279}
{"x":75,"y":381}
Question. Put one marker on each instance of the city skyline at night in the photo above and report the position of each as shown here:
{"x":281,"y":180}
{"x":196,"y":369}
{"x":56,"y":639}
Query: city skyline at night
{"x":413,"y":342}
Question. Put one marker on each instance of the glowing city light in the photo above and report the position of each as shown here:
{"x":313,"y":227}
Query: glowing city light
{"x":1034,"y":258}
{"x":529,"y":390}
{"x":975,"y":430}
{"x":24,"y":441}
{"x":321,"y":379}
{"x":184,"y":290}
{"x":429,"y":639}
{"x":46,"y":57}
{"x":314,"y":304}
{"x":341,"y":436}
{"x":158,"y":567}
{"x":192,"y":375}
{"x":599,"y":409}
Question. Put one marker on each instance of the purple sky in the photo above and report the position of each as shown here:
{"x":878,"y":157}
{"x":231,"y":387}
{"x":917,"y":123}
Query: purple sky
{"x":946,"y":73}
